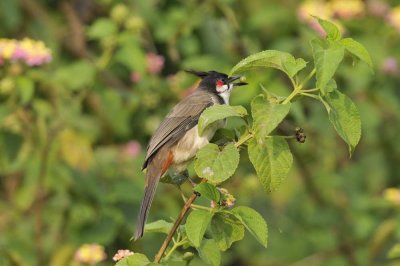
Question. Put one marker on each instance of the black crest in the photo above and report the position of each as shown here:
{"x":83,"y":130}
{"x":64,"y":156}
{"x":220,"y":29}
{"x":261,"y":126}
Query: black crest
{"x":203,"y":74}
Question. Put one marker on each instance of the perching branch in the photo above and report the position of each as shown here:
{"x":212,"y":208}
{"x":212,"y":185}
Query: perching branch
{"x":178,"y":221}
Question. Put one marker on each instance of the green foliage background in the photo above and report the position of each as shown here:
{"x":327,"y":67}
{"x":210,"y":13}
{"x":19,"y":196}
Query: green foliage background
{"x":69,"y":131}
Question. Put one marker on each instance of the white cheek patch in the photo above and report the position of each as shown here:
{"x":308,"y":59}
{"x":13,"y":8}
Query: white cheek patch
{"x":222,"y":88}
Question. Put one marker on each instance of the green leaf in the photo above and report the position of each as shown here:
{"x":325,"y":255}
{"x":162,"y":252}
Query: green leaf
{"x":208,"y":191}
{"x":330,"y":86}
{"x":394,"y":252}
{"x":332,"y":31}
{"x":272,"y":160}
{"x":218,"y":112}
{"x":292,"y":67}
{"x":267,"y":115}
{"x":270,"y":59}
{"x":136,"y":259}
{"x":209,"y":252}
{"x":226,"y":229}
{"x":159,"y":226}
{"x":174,"y":178}
{"x":326,"y":61}
{"x":216,"y":165}
{"x":345,"y":118}
{"x":26,"y":89}
{"x":77,"y":75}
{"x":129,"y":47}
{"x":196,"y":225}
{"x":253,"y":222}
{"x":357,"y":49}
{"x":102,"y":28}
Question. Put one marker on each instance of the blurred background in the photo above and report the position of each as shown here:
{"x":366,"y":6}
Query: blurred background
{"x":84,"y":83}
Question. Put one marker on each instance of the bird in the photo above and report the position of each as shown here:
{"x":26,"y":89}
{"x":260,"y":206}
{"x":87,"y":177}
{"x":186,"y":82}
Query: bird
{"x":176,"y":140}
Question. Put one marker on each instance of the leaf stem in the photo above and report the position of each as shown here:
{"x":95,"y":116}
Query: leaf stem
{"x":243,"y":139}
{"x":309,"y":95}
{"x":291,"y":96}
{"x":312,"y":73}
{"x":202,"y":207}
{"x":174,"y":247}
{"x":297,"y":89}
{"x":310,"y":90}
{"x":285,"y":137}
{"x":183,"y":196}
{"x":294,"y":84}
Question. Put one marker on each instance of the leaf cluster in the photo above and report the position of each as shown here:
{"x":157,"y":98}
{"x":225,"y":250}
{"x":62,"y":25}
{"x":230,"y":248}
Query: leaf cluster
{"x":212,"y":230}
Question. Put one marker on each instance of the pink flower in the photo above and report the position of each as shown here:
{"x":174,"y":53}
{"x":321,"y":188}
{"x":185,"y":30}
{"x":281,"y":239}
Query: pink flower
{"x":122,"y":253}
{"x":390,"y":66}
{"x":135,"y":77}
{"x":132,"y":148}
{"x":19,"y":53}
{"x":318,"y":28}
{"x":155,"y":63}
{"x":377,"y":8}
{"x":33,"y":60}
{"x":33,"y":53}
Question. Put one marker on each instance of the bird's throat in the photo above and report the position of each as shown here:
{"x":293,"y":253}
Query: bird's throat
{"x":224,"y":95}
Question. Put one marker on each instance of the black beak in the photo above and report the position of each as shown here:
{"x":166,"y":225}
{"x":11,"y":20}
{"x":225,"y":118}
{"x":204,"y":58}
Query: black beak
{"x":233,"y":78}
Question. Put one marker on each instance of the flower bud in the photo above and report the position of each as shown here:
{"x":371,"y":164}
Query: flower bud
{"x":188,"y":256}
{"x":119,"y":13}
{"x":392,"y":195}
{"x":155,"y":63}
{"x":390,"y":66}
{"x":394,"y":17}
{"x":134,"y":24}
{"x":227,"y":199}
{"x":7,"y":85}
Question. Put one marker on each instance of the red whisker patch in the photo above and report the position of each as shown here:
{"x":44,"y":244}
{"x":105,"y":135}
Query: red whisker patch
{"x":219,"y":83}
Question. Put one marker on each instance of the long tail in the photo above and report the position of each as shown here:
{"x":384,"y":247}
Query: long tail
{"x":155,"y":169}
{"x":149,"y":191}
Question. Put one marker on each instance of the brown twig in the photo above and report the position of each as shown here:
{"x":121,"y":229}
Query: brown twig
{"x":36,"y":10}
{"x":76,"y":40}
{"x":178,"y":221}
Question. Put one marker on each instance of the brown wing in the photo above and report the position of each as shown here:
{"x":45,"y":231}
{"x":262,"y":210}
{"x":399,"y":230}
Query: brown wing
{"x":182,"y":118}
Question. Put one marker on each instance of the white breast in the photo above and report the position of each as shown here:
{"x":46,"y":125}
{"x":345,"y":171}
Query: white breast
{"x":186,"y":148}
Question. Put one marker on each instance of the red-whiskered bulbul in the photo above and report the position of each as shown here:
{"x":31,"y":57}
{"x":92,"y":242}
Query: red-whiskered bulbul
{"x":176,"y":141}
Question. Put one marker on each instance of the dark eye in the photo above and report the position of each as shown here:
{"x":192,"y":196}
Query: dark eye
{"x":219,"y":83}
